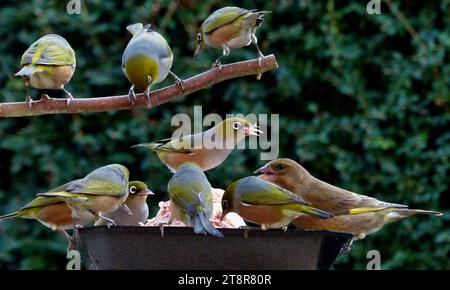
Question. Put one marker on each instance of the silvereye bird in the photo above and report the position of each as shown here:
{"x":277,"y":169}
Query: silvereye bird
{"x":191,"y":199}
{"x":354,"y":213}
{"x":191,"y":148}
{"x":52,"y":212}
{"x":136,"y":203}
{"x":266,"y":204}
{"x":147,"y":60}
{"x":102,"y":191}
{"x":49,"y":63}
{"x":229,"y":28}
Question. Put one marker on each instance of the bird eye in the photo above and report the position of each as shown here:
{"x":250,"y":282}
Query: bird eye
{"x":224,"y":204}
{"x":280,"y":167}
{"x":133,"y":189}
{"x":199,"y":36}
{"x":236,"y":125}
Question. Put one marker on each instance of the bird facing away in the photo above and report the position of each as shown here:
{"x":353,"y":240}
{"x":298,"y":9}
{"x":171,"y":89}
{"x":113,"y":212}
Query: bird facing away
{"x":147,"y":60}
{"x":266,"y":204}
{"x":136,"y":203}
{"x":229,"y":28}
{"x":49,"y":63}
{"x":102,"y":191}
{"x":191,"y":199}
{"x":191,"y":148}
{"x":356,"y":214}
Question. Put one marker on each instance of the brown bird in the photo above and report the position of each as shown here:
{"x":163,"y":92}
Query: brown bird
{"x":354,"y":213}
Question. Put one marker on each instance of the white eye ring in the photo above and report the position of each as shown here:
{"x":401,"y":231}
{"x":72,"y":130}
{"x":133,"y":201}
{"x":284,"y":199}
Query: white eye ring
{"x":236,"y":125}
{"x":199,"y":36}
{"x":133,"y":189}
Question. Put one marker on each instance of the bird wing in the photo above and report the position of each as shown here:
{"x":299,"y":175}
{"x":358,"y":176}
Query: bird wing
{"x":186,"y":202}
{"x":50,"y":50}
{"x":257,"y":191}
{"x":340,"y":201}
{"x":111,"y":180}
{"x":223,"y":17}
{"x":42,"y":201}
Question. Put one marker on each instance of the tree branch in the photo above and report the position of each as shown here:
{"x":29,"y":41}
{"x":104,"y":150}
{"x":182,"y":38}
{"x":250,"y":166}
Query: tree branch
{"x":83,"y":105}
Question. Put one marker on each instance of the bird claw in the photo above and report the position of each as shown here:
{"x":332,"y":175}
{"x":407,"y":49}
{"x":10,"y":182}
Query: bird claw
{"x":110,"y":224}
{"x":132,"y":96}
{"x":259,"y":73}
{"x":161,"y":229}
{"x":217,"y":64}
{"x":29,"y":101}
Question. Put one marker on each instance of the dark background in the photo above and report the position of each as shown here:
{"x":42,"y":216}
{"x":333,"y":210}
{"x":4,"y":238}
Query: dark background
{"x":363,"y":103}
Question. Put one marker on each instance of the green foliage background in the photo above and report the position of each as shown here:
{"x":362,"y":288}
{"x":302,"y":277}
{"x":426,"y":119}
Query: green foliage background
{"x":362,"y":105}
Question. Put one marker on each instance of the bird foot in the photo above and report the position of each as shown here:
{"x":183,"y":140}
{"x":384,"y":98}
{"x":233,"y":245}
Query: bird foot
{"x":29,"y":101}
{"x":347,"y":247}
{"x":161,"y":228}
{"x":217,"y":65}
{"x":247,"y":229}
{"x":110,"y":224}
{"x":69,"y":99}
{"x":259,"y":73}
{"x":132,"y":96}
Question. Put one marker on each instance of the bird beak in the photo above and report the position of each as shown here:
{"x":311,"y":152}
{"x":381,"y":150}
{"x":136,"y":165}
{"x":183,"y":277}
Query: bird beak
{"x":252,"y":129}
{"x":266,"y":169}
{"x":146,"y":193}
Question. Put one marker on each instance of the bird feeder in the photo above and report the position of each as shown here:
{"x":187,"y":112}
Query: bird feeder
{"x":143,"y":248}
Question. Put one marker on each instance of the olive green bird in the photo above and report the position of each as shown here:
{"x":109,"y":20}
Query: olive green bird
{"x":49,"y":63}
{"x":52,"y":212}
{"x":191,"y":199}
{"x":147,"y":60}
{"x":266,"y":204}
{"x":136,"y":203}
{"x":355,"y":213}
{"x":229,"y":28}
{"x":102,"y":191}
{"x":197,"y":149}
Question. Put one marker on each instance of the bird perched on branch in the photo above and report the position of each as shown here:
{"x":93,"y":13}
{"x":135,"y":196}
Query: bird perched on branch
{"x":197,"y":149}
{"x":229,"y":28}
{"x":147,"y":60}
{"x":191,"y":199}
{"x":136,"y":203}
{"x":49,"y":63}
{"x":102,"y":191}
{"x":356,"y":214}
{"x":266,"y":204}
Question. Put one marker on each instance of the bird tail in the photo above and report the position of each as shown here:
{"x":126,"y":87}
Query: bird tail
{"x":314,"y":211}
{"x":405,"y":212}
{"x":8,"y":216}
{"x":26,"y":71}
{"x":202,"y":224}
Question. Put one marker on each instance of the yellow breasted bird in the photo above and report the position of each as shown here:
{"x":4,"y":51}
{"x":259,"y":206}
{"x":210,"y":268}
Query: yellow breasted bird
{"x":192,"y":148}
{"x":191,"y":199}
{"x":229,"y":28}
{"x":52,"y":212}
{"x":266,"y":204}
{"x":136,"y":203}
{"x":49,"y":63}
{"x":147,"y":60}
{"x":356,"y":214}
{"x":100,"y":192}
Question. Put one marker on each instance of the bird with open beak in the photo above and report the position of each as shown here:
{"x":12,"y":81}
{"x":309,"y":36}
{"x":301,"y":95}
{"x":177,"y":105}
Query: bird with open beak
{"x":199,"y":148}
{"x":356,"y":214}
